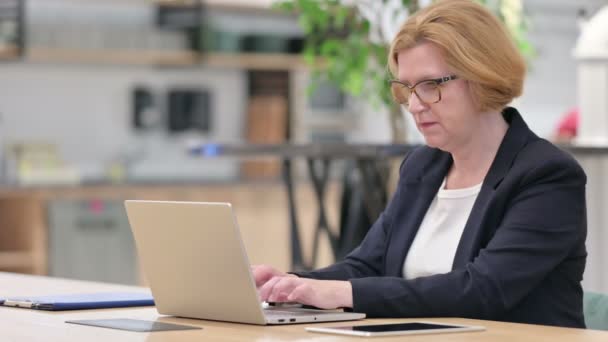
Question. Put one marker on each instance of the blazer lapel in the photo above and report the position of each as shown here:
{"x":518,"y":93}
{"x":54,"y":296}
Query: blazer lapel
{"x":516,"y":137}
{"x":417,"y":195}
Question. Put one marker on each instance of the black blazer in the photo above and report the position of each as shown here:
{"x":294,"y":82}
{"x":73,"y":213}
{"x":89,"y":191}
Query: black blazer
{"x":522,"y":253}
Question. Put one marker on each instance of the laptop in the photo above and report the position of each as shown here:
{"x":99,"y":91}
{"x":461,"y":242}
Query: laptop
{"x":196,"y":265}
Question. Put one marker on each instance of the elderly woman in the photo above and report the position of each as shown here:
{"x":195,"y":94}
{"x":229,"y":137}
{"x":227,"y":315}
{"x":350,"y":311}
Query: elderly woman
{"x":488,"y":219}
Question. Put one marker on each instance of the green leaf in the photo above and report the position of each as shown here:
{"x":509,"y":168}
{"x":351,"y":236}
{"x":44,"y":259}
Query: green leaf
{"x":354,"y":83}
{"x":287,"y":6}
{"x":330,"y":47}
{"x":322,"y":20}
{"x":526,"y":48}
{"x":340,"y":18}
{"x":365,"y":26}
{"x":309,"y":55}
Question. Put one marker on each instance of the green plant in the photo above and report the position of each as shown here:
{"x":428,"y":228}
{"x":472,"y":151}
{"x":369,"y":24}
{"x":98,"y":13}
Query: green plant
{"x":345,"y":47}
{"x":337,"y":38}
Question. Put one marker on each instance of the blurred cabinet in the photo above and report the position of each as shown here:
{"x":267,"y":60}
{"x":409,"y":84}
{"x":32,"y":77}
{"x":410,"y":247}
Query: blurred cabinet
{"x":91,"y":240}
{"x":267,"y":119}
{"x":22,"y":234}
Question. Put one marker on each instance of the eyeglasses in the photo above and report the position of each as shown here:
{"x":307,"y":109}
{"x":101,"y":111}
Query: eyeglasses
{"x":428,"y":91}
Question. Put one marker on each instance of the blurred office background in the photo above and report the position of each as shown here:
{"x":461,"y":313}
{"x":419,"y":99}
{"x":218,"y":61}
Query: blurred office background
{"x":104,"y":100}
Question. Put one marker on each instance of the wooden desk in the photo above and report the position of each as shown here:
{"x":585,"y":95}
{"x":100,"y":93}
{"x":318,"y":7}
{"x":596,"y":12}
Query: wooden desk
{"x":31,"y":325}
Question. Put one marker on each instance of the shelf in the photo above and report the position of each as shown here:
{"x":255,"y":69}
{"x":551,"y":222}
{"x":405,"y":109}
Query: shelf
{"x":100,"y":56}
{"x":9,"y":52}
{"x":256,"y":61}
{"x":248,"y":5}
{"x":251,"y":61}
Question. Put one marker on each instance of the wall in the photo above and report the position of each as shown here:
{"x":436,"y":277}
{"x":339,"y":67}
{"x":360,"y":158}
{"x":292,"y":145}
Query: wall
{"x":596,"y":271}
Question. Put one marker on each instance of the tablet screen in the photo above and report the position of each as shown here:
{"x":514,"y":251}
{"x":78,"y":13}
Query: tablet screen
{"x":398,"y":327}
{"x":410,"y":328}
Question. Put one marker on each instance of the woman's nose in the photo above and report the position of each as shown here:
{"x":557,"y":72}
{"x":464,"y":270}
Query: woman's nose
{"x":415,"y":106}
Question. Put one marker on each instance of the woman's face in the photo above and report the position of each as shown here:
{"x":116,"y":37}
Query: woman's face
{"x":449,"y":123}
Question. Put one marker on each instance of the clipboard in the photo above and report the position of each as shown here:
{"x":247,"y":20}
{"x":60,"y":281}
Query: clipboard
{"x":81,"y":301}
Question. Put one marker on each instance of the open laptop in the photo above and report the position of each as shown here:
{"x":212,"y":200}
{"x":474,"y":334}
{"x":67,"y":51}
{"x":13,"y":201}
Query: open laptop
{"x":195,"y":262}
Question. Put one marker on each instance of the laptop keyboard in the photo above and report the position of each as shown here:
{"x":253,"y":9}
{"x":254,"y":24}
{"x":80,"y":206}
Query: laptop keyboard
{"x":272,"y":313}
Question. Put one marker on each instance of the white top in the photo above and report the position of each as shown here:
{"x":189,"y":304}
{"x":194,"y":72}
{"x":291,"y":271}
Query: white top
{"x":433,"y":249}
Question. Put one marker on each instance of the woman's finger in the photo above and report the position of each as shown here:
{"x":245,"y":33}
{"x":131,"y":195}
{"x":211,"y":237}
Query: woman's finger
{"x":267,"y":289}
{"x":283,"y":288}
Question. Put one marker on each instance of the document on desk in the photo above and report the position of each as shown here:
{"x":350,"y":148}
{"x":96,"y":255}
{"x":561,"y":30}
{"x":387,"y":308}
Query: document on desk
{"x":81,"y":301}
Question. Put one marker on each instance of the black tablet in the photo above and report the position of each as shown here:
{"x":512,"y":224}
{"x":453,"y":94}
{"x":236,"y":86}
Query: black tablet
{"x":407,"y":328}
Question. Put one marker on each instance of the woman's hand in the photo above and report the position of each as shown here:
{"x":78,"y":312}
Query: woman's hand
{"x":263,"y":273}
{"x":325,"y":294}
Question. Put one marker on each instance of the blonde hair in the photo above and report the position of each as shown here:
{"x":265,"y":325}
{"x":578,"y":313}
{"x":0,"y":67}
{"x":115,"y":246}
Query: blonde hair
{"x":475,"y":45}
